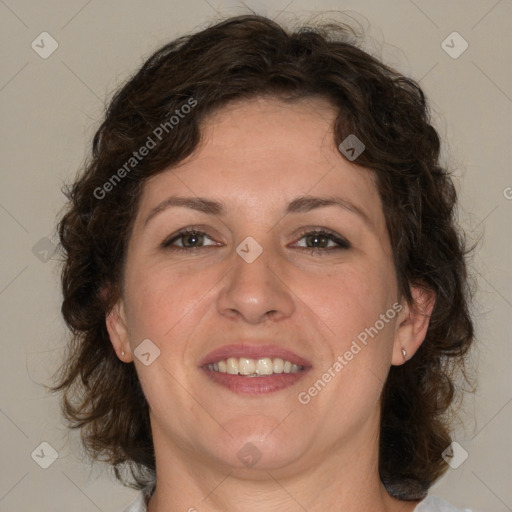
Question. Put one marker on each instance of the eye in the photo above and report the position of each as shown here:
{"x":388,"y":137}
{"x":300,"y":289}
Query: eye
{"x":318,"y":240}
{"x":189,"y":240}
{"x":322,"y":240}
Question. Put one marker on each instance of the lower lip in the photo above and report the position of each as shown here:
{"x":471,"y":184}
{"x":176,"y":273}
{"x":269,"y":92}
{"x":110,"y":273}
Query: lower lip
{"x":255,"y":385}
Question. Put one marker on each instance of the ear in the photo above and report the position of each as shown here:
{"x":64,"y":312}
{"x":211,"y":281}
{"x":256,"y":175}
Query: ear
{"x":118,"y":332}
{"x":412,"y":324}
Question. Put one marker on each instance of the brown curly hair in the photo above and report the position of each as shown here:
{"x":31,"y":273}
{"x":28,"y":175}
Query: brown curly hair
{"x":243,"y":57}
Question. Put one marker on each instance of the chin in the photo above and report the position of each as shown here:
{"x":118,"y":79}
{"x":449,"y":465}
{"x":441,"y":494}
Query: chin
{"x":258,"y":443}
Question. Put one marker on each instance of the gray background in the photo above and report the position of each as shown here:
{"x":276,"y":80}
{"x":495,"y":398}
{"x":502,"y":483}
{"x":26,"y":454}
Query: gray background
{"x":50,"y":109}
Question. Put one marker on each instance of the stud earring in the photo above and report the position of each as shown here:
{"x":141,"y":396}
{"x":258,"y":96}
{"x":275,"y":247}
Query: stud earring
{"x":404,"y":353}
{"x":122,"y":353}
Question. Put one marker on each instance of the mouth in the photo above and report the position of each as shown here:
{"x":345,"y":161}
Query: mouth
{"x":253,"y":369}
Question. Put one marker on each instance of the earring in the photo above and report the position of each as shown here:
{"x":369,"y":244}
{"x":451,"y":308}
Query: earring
{"x":404,"y":353}
{"x":122,"y":353}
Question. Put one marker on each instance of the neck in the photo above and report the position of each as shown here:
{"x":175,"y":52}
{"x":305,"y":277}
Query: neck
{"x":345,"y":478}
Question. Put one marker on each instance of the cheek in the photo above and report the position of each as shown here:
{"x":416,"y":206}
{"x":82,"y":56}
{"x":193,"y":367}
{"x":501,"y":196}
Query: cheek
{"x":357,"y":308}
{"x":149,"y":304}
{"x":358,"y":339}
{"x":352,"y":298}
{"x":162,"y":298}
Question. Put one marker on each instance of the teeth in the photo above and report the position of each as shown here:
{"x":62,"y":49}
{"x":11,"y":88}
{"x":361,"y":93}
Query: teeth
{"x":278,"y":365}
{"x":246,"y":366}
{"x":254,"y":367}
{"x":265,"y":366}
{"x":231,"y":366}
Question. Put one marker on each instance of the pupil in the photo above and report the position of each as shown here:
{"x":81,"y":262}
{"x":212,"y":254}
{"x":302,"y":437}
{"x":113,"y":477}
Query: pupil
{"x":317,"y":239}
{"x":191,"y":239}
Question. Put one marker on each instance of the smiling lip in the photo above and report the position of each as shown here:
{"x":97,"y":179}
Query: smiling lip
{"x":253,"y":352}
{"x":254,"y":385}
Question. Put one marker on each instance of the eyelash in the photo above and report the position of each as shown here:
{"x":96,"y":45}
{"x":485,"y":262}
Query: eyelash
{"x":314,"y":251}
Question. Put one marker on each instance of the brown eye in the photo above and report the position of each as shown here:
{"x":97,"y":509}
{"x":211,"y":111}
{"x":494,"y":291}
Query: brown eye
{"x":190,"y":239}
{"x":323,"y":240}
{"x":315,"y":240}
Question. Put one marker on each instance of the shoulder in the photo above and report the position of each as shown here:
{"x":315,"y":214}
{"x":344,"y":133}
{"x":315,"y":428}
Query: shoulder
{"x":436,"y":504}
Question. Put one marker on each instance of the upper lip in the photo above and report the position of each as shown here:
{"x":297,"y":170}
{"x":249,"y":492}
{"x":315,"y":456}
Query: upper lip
{"x":253,"y":351}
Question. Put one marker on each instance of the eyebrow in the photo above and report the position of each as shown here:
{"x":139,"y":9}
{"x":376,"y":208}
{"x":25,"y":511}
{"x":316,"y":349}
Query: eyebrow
{"x":300,"y":204}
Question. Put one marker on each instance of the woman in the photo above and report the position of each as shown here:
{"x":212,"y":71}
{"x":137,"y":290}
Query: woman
{"x":265,"y":281}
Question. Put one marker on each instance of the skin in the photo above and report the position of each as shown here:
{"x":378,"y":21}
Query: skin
{"x":256,"y":157}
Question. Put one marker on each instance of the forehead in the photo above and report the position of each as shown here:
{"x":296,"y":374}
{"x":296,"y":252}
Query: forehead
{"x":267,"y":127}
{"x":263,"y":152}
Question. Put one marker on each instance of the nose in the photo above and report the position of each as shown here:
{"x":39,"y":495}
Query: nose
{"x":256,"y":291}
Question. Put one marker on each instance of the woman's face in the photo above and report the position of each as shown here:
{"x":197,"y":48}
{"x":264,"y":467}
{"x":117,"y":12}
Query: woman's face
{"x":256,"y":285}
